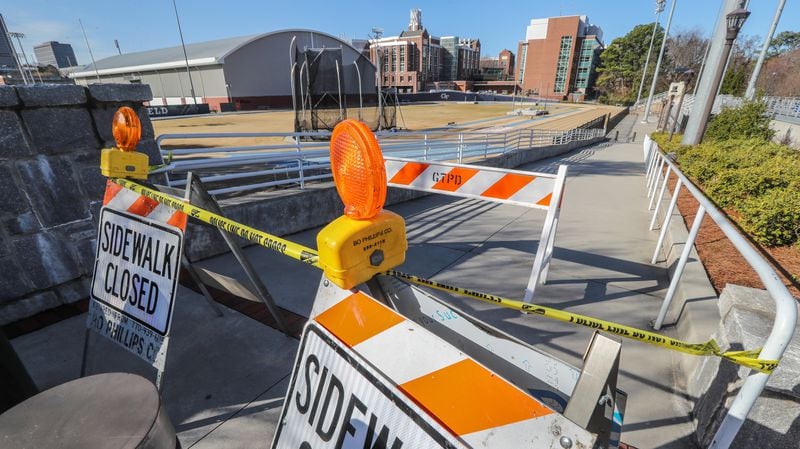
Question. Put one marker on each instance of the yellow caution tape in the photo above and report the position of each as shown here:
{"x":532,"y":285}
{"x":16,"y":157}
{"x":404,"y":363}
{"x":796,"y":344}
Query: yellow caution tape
{"x":307,"y":255}
{"x":745,"y":358}
{"x":269,"y":241}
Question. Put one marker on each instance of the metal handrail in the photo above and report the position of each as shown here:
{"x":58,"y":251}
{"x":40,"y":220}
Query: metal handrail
{"x":294,"y":158}
{"x":785,"y":306}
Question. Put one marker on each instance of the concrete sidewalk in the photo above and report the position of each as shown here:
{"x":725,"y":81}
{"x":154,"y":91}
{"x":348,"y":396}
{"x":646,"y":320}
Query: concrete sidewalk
{"x":226,"y":377}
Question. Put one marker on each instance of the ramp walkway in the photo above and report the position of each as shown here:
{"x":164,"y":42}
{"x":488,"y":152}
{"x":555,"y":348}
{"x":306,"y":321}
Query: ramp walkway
{"x":226,"y":377}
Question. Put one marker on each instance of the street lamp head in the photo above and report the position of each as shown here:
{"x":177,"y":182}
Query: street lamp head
{"x":734,"y":21}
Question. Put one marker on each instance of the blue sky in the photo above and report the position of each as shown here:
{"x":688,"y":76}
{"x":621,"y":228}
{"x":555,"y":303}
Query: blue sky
{"x":149,"y":24}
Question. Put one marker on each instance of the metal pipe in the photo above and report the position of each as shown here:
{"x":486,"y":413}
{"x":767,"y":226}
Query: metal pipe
{"x":665,"y":224}
{"x":658,"y":64}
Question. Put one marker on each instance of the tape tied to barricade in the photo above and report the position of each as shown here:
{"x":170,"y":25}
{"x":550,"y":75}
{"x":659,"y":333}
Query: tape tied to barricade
{"x":269,"y":241}
{"x":748,"y":359}
{"x":310,"y":256}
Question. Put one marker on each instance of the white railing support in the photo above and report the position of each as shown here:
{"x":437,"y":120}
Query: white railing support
{"x":676,"y":277}
{"x":665,"y":224}
{"x":660,"y":196}
{"x":656,"y":177}
{"x":660,"y":199}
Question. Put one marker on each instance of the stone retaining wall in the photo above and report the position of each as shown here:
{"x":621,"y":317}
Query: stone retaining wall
{"x":51,"y":188}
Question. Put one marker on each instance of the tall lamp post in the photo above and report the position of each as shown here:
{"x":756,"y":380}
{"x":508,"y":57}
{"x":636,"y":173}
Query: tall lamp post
{"x":733,"y":22}
{"x":658,"y":64}
{"x":659,"y":9}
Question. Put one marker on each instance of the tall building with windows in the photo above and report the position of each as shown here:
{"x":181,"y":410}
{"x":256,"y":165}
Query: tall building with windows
{"x":7,"y":60}
{"x":559,"y":56}
{"x":55,"y":54}
{"x":416,"y":61}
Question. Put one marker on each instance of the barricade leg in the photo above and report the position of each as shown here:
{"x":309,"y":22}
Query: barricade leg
{"x":665,"y":224}
{"x":547,"y":239}
{"x":676,"y":278}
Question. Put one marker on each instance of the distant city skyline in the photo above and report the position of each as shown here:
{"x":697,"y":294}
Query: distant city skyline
{"x":151,"y":24}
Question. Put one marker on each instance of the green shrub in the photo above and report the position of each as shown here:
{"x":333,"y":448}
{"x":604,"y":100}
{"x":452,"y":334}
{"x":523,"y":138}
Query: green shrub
{"x":760,"y":180}
{"x":773,"y":218}
{"x":747,"y":121}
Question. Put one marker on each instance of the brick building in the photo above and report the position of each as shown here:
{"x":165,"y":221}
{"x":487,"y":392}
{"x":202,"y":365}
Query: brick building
{"x":559,"y":56}
{"x":416,"y":61}
{"x":497,"y":68}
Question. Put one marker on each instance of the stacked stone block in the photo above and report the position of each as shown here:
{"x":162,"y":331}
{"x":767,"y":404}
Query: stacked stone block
{"x":51,"y":188}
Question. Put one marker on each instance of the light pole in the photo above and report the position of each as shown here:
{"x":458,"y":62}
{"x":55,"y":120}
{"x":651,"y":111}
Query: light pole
{"x":185,"y":57}
{"x":377,"y":33}
{"x":24,"y":56}
{"x":658,"y":64}
{"x":733,"y":24}
{"x":91,"y":55}
{"x":659,"y":9}
{"x":751,"y":86}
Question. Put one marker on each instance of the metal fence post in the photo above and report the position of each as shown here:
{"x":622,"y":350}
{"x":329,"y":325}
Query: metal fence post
{"x":676,"y":277}
{"x":425,"y":144}
{"x":530,"y":142}
{"x":300,"y":162}
{"x":655,"y":187}
{"x":486,"y":147}
{"x":460,"y":147}
{"x":660,"y":198}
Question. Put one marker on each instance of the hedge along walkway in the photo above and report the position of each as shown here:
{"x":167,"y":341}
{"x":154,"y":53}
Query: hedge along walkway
{"x":722,"y":261}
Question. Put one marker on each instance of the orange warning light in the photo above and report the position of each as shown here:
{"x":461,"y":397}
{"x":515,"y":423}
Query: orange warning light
{"x":127,"y":128}
{"x":358,"y":169}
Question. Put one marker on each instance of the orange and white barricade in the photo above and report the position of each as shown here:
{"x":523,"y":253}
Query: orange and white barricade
{"x":119,"y":198}
{"x":499,"y":185}
{"x":454,"y":400}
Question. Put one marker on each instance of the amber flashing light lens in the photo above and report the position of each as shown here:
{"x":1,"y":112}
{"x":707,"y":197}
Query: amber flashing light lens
{"x":127,"y":128}
{"x":358,"y":169}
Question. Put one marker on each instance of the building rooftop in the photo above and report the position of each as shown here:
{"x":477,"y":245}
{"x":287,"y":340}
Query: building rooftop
{"x":199,"y":53}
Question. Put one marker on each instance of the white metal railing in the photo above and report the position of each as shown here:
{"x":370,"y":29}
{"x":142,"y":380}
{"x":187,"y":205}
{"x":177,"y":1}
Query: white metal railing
{"x":659,"y":167}
{"x":776,"y":106}
{"x":295,"y":159}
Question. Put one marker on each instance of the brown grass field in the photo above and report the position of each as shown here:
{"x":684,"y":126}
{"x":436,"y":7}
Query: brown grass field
{"x":415,"y":117}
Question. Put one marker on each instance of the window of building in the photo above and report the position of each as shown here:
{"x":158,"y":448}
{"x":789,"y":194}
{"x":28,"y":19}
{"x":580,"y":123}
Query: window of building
{"x":523,"y":56}
{"x":562,"y":65}
{"x":403,"y":59}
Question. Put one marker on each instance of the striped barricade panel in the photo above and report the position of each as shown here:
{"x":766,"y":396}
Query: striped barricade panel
{"x":500,"y":185}
{"x":469,"y":400}
{"x":470,"y":181}
{"x":120,"y":198}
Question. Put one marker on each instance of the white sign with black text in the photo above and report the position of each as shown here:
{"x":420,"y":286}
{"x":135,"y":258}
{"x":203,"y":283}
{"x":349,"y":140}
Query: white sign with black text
{"x":137,"y":267}
{"x":336,"y":400}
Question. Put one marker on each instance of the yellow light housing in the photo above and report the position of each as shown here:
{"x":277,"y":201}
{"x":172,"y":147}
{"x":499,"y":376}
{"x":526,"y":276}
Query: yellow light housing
{"x":124,"y":161}
{"x":367,"y":240}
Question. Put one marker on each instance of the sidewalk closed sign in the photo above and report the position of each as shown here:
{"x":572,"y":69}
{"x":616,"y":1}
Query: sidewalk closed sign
{"x":336,"y":400}
{"x":135,"y":282}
